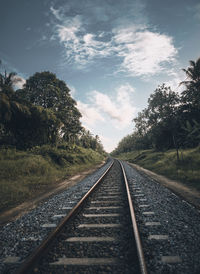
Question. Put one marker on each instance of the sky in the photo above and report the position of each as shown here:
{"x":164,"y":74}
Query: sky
{"x":112,"y":54}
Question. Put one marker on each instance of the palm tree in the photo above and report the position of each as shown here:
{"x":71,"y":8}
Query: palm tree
{"x":190,"y":108}
{"x":7,"y":79}
{"x":10,"y":104}
{"x":193,"y":73}
{"x":191,"y":96}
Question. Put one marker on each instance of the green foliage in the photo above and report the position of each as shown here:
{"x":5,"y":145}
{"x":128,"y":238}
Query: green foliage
{"x":44,"y":89}
{"x":193,"y":76}
{"x":43,"y":112}
{"x":87,"y":140}
{"x":8,"y":80}
{"x":170,"y":120}
{"x":131,"y":142}
{"x":165,"y":163}
{"x":160,"y":117}
{"x":25,"y":175}
{"x":26,"y":125}
{"x":192,"y":132}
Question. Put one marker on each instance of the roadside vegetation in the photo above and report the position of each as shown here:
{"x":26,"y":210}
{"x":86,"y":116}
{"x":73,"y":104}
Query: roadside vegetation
{"x":186,"y":170}
{"x":166,"y":138}
{"x":26,"y":174}
{"x":42,"y":140}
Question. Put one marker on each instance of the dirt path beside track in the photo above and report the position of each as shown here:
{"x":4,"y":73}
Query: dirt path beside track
{"x":16,"y":212}
{"x":189,"y":194}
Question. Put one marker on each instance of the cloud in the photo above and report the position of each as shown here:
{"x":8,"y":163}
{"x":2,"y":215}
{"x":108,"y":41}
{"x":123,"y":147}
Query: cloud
{"x":68,"y":31}
{"x":144,"y":52}
{"x":108,"y":143}
{"x":19,"y":82}
{"x":178,"y":77}
{"x":90,"y":115}
{"x":138,"y":50}
{"x":72,"y":90}
{"x":118,"y":109}
{"x":81,"y":47}
{"x":57,"y":13}
{"x":106,"y":113}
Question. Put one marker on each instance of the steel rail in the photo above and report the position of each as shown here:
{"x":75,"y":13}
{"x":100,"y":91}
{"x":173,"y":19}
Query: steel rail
{"x":32,"y":259}
{"x":135,"y":228}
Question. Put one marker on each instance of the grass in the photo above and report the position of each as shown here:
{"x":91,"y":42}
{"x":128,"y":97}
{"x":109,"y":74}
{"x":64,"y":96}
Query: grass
{"x":26,"y":174}
{"x":186,"y":170}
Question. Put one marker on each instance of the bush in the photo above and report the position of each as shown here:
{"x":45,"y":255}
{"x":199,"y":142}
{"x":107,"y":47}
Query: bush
{"x":25,"y":174}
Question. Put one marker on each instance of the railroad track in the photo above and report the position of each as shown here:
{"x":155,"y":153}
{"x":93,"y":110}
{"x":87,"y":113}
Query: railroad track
{"x":99,"y":235}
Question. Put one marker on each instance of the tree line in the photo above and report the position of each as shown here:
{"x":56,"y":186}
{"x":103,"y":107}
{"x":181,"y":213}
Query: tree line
{"x":170,"y":120}
{"x":42,"y":112}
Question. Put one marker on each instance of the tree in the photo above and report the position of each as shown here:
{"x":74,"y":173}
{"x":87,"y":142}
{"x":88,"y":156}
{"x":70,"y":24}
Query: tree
{"x":26,"y":125}
{"x":191,"y":134}
{"x":162,"y":117}
{"x":160,"y":120}
{"x":191,"y":95}
{"x":8,"y":80}
{"x":42,"y":89}
{"x":170,"y":120}
{"x":141,"y":122}
{"x":87,"y":140}
{"x":10,"y":107}
{"x":193,"y":73}
{"x":11,"y":111}
{"x":21,"y":123}
{"x":46,"y":90}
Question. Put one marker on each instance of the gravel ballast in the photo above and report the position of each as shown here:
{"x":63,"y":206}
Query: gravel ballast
{"x":19,"y":238}
{"x":169,"y":226}
{"x":97,"y":220}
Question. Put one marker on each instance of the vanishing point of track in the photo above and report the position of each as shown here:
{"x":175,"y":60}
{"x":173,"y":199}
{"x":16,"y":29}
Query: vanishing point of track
{"x":99,"y":235}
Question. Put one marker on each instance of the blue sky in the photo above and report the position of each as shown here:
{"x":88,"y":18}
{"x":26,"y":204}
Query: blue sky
{"x":111,"y":53}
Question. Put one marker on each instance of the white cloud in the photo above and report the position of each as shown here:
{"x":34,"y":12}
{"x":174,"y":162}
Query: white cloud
{"x":124,"y":35}
{"x":68,"y":31}
{"x":127,"y":88}
{"x":118,"y":109}
{"x":80,"y":46}
{"x":57,"y":13}
{"x":72,"y":90}
{"x":105,"y":113}
{"x":141,"y":52}
{"x":19,"y":82}
{"x":90,"y":115}
{"x":177,"y":78}
{"x":144,"y":52}
{"x":104,"y":102}
{"x":108,"y":143}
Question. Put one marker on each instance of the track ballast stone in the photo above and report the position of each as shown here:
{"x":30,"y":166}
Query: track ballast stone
{"x":68,"y":254}
{"x":180,"y":252}
{"x":19,"y":238}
